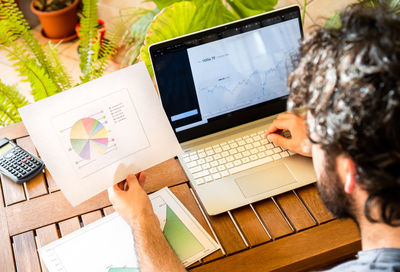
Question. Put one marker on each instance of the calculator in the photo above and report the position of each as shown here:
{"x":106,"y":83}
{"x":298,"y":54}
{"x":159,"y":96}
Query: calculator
{"x":18,"y":164}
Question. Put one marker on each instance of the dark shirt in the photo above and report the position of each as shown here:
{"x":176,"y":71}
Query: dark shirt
{"x":384,"y":259}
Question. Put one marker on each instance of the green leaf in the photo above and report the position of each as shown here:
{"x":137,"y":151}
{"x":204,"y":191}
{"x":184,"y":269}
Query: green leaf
{"x":246,"y":8}
{"x":63,"y":79}
{"x":173,"y":21}
{"x":164,"y":3}
{"x":183,"y":18}
{"x":87,"y":37}
{"x":139,"y":29}
{"x":10,"y":101}
{"x":210,"y":13}
{"x":41,"y":84}
{"x":333,"y":22}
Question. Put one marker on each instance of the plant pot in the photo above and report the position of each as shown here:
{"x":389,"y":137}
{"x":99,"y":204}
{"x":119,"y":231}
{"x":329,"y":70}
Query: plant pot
{"x":58,"y":24}
{"x":101,"y":29}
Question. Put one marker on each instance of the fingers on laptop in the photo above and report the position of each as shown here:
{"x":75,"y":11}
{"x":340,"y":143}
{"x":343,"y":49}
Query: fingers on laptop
{"x":279,"y":140}
{"x":280,"y":124}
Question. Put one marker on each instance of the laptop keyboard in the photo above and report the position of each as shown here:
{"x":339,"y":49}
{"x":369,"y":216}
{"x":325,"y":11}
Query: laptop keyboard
{"x":230,"y":157}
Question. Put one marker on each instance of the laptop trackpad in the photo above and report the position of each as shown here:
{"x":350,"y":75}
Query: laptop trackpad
{"x":265,"y":180}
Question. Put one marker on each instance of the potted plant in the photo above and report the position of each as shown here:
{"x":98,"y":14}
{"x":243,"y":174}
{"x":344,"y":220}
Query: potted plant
{"x":40,"y":64}
{"x":58,"y":18}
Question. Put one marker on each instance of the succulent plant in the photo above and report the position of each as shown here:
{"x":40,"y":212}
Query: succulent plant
{"x":51,"y":5}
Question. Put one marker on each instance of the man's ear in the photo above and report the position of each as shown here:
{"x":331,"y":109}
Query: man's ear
{"x":347,"y":169}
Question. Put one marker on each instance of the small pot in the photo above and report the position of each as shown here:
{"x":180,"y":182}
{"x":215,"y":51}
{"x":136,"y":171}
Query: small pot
{"x":58,"y":24}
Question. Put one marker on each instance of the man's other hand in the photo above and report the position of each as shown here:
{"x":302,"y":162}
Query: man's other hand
{"x":131,"y":201}
{"x":295,"y":124}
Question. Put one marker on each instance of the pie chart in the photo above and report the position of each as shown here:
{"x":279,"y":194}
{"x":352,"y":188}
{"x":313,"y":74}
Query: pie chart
{"x":89,"y":138}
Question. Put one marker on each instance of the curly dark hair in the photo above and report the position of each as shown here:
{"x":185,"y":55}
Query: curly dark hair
{"x":349,"y":81}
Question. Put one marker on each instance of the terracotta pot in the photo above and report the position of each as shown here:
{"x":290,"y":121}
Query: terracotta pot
{"x":58,"y":24}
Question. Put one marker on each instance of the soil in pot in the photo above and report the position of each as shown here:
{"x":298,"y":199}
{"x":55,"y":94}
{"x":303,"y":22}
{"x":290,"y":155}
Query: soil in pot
{"x":58,"y":24}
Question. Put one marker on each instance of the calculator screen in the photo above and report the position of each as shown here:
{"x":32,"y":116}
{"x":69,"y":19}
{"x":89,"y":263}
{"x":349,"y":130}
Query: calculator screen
{"x":5,"y":148}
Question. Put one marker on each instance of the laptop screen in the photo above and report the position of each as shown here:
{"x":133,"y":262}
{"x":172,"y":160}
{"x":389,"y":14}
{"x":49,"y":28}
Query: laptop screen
{"x":228,"y":75}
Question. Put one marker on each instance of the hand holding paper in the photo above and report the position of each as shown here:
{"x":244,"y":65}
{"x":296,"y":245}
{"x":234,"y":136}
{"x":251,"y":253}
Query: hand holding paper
{"x":94,"y":135}
{"x":131,"y":201}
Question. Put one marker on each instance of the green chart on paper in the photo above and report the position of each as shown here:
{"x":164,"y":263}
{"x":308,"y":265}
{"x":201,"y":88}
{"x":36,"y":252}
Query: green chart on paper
{"x":180,"y":238}
{"x":123,"y":269}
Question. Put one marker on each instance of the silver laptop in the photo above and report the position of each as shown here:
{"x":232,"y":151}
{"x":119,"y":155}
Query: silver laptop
{"x":221,"y":88}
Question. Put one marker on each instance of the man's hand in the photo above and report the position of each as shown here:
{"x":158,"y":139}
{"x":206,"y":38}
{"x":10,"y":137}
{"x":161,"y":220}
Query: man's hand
{"x":131,"y":201}
{"x":299,"y":142}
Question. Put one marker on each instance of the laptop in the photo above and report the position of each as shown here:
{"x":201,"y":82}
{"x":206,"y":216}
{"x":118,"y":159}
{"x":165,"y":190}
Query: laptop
{"x":221,"y":88}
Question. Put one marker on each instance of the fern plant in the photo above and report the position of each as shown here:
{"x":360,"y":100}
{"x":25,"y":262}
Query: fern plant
{"x":40,"y":64}
{"x":10,"y":101}
{"x":94,"y":53}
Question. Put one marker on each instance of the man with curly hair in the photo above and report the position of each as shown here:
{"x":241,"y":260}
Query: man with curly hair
{"x":344,"y":111}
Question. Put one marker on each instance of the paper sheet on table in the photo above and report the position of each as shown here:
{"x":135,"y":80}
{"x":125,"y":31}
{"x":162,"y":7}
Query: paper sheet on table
{"x":107,"y":245}
{"x":103,"y":246}
{"x":94,"y":135}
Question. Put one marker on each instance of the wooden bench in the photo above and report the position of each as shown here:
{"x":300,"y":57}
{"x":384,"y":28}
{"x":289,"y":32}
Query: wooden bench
{"x":289,"y":232}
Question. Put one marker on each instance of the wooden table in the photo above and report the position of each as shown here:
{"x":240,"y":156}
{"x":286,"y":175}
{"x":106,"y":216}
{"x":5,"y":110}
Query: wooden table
{"x":290,"y":232}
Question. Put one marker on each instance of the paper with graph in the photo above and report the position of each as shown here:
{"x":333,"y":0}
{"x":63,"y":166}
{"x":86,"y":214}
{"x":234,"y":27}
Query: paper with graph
{"x":183,"y":232}
{"x":94,"y":135}
{"x":107,"y":245}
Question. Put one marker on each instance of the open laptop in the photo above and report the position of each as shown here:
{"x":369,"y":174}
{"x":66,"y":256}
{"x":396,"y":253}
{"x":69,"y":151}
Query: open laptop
{"x":221,"y":88}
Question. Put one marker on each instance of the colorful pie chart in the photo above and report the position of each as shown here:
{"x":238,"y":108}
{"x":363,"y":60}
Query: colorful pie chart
{"x":89,"y":138}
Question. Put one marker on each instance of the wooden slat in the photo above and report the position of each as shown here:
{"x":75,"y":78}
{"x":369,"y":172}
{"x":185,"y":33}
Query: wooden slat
{"x":14,"y":131}
{"x":227,"y":233}
{"x":108,"y":210}
{"x":26,"y":257}
{"x":6,"y":255}
{"x":38,"y":212}
{"x":313,"y":201}
{"x":36,"y":186}
{"x":49,"y":209}
{"x":250,"y":226}
{"x":182,"y":192}
{"x":68,"y":226}
{"x":168,"y":173}
{"x":272,"y":218}
{"x":44,"y":236}
{"x":303,"y":251}
{"x":50,"y":182}
{"x":12,"y":191}
{"x":91,"y":217}
{"x":295,"y":211}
